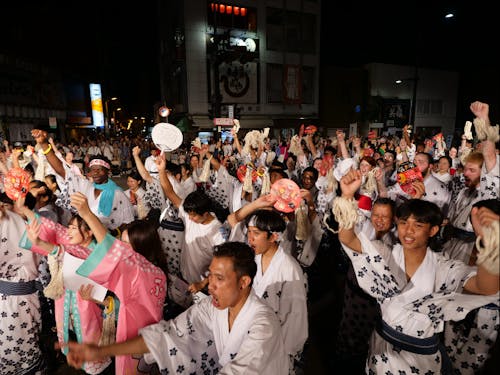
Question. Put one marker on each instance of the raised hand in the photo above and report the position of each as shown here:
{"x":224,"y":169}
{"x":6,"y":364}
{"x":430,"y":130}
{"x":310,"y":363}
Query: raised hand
{"x":79,"y":201}
{"x":350,"y":183}
{"x":40,"y":136}
{"x":33,"y":231}
{"x":480,"y":109}
{"x":136,"y":151}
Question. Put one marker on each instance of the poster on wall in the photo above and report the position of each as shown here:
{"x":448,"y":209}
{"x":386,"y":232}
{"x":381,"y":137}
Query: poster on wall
{"x":238,"y":82}
{"x":396,"y":112}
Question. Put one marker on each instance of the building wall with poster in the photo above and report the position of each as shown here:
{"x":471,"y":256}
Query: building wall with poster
{"x":262,"y":55}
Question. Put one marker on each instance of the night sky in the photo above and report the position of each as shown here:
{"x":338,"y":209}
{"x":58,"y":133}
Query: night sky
{"x":116,"y":41}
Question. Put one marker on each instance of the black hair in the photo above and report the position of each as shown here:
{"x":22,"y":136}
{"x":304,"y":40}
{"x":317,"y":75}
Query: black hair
{"x":492,"y":204}
{"x":29,"y":168}
{"x":135,"y":175}
{"x":173,"y":168}
{"x":187,"y":167}
{"x":331,"y":149}
{"x":422,"y":211}
{"x":313,"y":170}
{"x":293,"y":156}
{"x":241,"y":254}
{"x":4,"y":198}
{"x":281,"y":172}
{"x":386,"y":202}
{"x":277,"y":165}
{"x":268,"y":221}
{"x":53,"y":180}
{"x":197,"y":202}
{"x":447,"y":158}
{"x":392,"y":153}
{"x":80,"y":223}
{"x":145,"y":240}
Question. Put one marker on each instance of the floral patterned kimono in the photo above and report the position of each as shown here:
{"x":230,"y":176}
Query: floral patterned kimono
{"x":83,"y":317}
{"x":283,"y":287}
{"x":199,"y":341}
{"x":139,"y":285}
{"x":414,"y":311}
{"x":20,"y":318}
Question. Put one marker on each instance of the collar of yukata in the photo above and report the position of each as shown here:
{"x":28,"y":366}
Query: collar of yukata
{"x":100,"y":163}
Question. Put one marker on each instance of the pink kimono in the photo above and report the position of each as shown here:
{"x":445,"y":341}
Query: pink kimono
{"x":84,"y":317}
{"x":139,"y":285}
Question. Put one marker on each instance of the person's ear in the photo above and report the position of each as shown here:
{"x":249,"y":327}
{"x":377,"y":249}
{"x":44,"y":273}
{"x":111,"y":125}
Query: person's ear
{"x":434,"y":230}
{"x":274,"y":237}
{"x":245,"y":281}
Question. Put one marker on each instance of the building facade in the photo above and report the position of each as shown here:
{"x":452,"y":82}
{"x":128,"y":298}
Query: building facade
{"x":255,"y":60}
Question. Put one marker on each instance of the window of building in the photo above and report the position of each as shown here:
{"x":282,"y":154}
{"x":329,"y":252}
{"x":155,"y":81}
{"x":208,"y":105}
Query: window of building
{"x":275,"y":84}
{"x":231,"y":16}
{"x":290,"y":31}
{"x":429,"y":107}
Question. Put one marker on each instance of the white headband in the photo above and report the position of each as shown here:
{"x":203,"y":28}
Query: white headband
{"x":99,"y":162}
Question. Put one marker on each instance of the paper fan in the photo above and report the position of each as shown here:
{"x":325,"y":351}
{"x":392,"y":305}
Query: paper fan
{"x":287,"y":194}
{"x":16,"y":183}
{"x":166,"y":137}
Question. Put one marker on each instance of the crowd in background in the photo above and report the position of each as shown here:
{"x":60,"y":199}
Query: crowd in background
{"x":403,"y":231}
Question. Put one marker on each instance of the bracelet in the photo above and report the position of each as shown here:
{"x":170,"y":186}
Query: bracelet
{"x":45,"y":152}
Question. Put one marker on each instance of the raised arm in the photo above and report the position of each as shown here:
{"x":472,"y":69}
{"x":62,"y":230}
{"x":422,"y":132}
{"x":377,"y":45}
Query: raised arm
{"x":56,"y":163}
{"x":341,"y":144}
{"x":264,"y":201}
{"x":167,"y":187}
{"x":349,"y":184}
{"x":136,"y":152}
{"x":79,"y":201}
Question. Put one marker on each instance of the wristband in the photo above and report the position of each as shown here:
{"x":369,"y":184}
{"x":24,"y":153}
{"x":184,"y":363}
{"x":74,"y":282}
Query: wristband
{"x":45,"y":152}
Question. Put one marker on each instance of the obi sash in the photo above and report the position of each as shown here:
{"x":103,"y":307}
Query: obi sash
{"x":18,"y":288}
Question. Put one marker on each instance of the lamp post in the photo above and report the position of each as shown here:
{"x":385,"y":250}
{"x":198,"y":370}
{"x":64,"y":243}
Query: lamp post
{"x":106,"y":123}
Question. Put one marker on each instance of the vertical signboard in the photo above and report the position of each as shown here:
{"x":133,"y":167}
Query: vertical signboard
{"x":96,"y":104}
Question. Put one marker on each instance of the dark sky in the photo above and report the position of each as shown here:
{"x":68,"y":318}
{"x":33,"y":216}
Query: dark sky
{"x":116,"y":42}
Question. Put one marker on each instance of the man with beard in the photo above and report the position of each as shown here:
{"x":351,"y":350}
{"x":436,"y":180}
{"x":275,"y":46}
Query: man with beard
{"x":433,"y":190}
{"x":481,"y":182}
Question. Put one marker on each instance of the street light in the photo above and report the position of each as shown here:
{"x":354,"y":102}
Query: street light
{"x":106,"y":123}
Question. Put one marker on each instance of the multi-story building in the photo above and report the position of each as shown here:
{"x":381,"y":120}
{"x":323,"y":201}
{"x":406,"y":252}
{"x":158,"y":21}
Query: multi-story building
{"x":256,"y":60}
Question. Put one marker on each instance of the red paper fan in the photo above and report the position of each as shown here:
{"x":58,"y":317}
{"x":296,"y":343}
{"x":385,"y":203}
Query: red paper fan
{"x":16,"y":183}
{"x":287,"y":194}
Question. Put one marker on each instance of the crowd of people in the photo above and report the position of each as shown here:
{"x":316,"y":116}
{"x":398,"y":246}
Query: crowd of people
{"x":211,"y":260}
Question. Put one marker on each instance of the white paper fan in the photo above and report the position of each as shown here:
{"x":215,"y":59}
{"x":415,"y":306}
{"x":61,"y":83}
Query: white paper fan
{"x":166,"y":137}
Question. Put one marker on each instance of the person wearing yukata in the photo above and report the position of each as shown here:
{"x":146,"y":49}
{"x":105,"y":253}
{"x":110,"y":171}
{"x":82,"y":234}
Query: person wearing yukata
{"x":72,"y":313}
{"x":360,"y":311}
{"x":279,"y":280}
{"x":202,"y":232}
{"x":106,"y":199}
{"x":469,"y":342}
{"x":482,"y":182}
{"x":435,"y":190}
{"x":232,"y":331}
{"x":20,"y":315}
{"x":133,"y":268}
{"x":417,"y":289}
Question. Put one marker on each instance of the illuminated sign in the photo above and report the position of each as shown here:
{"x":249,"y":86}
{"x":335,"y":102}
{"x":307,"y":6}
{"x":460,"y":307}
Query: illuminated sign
{"x":96,"y":105}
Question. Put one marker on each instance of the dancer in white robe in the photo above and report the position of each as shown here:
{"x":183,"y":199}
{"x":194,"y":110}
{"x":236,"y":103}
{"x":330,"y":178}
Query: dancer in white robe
{"x":230,"y":332}
{"x":417,"y":289}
